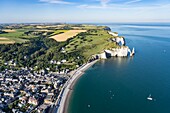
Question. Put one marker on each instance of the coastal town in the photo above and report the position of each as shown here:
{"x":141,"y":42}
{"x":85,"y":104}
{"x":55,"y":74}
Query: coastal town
{"x":84,"y":56}
{"x":24,"y":92}
{"x":38,"y":81}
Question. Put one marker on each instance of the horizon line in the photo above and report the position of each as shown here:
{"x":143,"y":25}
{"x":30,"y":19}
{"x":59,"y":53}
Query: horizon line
{"x":79,"y":22}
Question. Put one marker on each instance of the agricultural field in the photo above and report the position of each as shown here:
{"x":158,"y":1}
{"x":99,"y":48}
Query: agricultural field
{"x":9,"y":30}
{"x":66,"y":35}
{"x":57,"y":32}
{"x":13,"y":36}
{"x":6,"y":41}
{"x":20,"y":33}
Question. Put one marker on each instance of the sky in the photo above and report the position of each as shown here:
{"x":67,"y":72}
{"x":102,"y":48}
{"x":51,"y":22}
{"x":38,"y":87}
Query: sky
{"x":84,"y":11}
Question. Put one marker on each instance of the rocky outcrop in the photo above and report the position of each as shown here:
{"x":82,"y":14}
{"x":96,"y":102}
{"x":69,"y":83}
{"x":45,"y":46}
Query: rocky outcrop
{"x":107,"y":28}
{"x":115,"y":34}
{"x":119,"y":52}
{"x":119,"y":40}
{"x":103,"y":55}
{"x":115,"y":52}
{"x":133,"y":52}
{"x":123,"y":51}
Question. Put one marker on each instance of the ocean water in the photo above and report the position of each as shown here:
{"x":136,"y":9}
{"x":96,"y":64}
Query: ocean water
{"x":122,"y":85}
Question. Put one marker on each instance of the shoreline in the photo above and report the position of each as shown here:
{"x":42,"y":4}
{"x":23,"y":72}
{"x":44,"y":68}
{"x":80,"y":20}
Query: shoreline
{"x":63,"y":102}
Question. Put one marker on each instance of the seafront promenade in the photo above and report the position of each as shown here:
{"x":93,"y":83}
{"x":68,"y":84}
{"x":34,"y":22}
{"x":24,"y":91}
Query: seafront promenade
{"x":63,"y":98}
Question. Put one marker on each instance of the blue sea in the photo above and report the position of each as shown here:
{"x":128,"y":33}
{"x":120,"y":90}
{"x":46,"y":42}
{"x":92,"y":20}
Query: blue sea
{"x":122,"y":85}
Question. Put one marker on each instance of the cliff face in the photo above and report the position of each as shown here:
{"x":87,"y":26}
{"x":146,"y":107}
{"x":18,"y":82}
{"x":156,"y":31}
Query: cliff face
{"x":119,"y":40}
{"x":103,"y":55}
{"x":113,"y":33}
{"x":121,"y":51}
{"x":116,"y":52}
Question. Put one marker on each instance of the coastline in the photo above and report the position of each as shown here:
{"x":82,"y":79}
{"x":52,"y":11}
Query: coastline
{"x":63,"y":102}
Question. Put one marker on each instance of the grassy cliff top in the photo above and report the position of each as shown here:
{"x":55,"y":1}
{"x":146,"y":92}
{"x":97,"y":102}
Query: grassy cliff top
{"x":92,"y":42}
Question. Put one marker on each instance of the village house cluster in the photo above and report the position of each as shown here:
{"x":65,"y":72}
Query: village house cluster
{"x":24,"y":91}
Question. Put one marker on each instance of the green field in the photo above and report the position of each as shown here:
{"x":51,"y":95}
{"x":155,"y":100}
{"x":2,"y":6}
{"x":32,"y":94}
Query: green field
{"x":91,"y":42}
{"x":18,"y":33}
{"x":17,"y":36}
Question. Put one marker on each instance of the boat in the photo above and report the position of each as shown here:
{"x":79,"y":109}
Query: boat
{"x":150,"y":97}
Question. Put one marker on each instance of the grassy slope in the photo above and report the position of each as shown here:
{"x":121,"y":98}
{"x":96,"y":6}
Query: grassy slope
{"x":94,"y":42}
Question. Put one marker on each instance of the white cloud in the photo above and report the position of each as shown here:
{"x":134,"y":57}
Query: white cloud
{"x":92,"y":6}
{"x":107,"y":4}
{"x":56,"y":1}
{"x":132,"y":1}
{"x":104,"y":3}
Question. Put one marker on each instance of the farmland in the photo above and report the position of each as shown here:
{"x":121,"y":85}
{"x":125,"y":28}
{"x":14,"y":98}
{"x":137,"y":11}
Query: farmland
{"x":6,"y":41}
{"x":57,"y":32}
{"x":66,"y":35}
{"x":20,"y":33}
{"x":14,"y":36}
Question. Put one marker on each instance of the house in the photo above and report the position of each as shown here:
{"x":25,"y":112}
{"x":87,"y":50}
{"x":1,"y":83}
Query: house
{"x":63,"y":61}
{"x":9,"y":94}
{"x":58,"y":63}
{"x":42,"y":108}
{"x":44,"y":90}
{"x":23,"y":99}
{"x":20,"y":105}
{"x":1,"y":79}
{"x":48,"y":99}
{"x":33,"y":101}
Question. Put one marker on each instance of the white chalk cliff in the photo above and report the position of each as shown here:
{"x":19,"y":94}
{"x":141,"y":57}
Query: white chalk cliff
{"x":121,"y":51}
{"x":113,"y":33}
{"x":103,"y":56}
{"x":133,"y":52}
{"x":119,"y":40}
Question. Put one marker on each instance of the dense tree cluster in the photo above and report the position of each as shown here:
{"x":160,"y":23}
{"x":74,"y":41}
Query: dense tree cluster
{"x":38,"y":52}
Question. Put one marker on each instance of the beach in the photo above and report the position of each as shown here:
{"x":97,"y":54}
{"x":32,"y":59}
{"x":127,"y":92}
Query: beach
{"x":64,"y":96}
